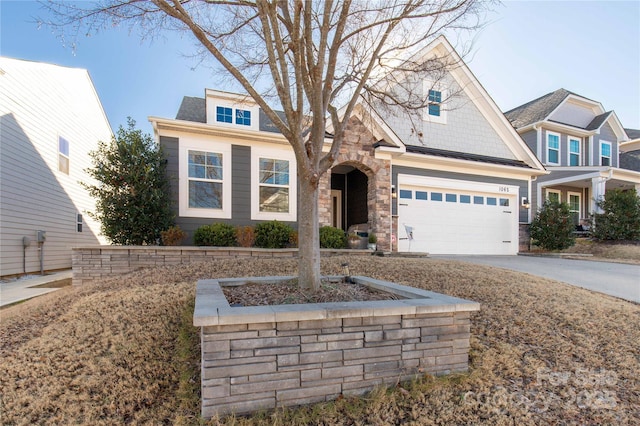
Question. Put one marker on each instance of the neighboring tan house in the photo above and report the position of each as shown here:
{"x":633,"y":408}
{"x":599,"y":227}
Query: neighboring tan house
{"x":51,"y":118}
{"x":458,"y":178}
{"x":580,"y":144}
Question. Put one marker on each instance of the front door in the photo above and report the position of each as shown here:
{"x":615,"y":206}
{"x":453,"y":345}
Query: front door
{"x":336,"y":208}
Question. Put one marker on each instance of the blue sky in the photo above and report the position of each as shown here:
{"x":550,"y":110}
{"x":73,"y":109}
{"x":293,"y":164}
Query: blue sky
{"x":528,"y":49}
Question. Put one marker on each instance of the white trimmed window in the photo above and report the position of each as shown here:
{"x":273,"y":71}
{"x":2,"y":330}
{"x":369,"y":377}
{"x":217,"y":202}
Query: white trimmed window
{"x":63,"y":155}
{"x":553,"y":195}
{"x":79,"y":222}
{"x":605,"y":153}
{"x":553,"y":148}
{"x":233,"y":116}
{"x":574,"y":206}
{"x":435,"y":111}
{"x":574,"y":152}
{"x":273,"y":185}
{"x":205,"y":179}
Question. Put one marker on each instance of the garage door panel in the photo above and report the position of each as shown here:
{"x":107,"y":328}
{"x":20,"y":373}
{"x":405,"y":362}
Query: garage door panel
{"x":441,"y":227}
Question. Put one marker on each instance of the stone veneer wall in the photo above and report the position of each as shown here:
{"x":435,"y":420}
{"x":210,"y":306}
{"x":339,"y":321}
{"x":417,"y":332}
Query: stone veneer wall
{"x":96,"y":262}
{"x":357,"y":151}
{"x":271,"y":356}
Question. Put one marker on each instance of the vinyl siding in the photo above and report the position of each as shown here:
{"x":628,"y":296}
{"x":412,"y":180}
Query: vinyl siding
{"x":466,"y":129}
{"x":531,"y":139}
{"x":39,"y":103}
{"x":521,"y":184}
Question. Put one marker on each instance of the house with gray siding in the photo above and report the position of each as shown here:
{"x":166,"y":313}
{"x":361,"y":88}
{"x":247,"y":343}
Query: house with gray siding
{"x":50,"y":118}
{"x":454,"y":177}
{"x":582,"y":145}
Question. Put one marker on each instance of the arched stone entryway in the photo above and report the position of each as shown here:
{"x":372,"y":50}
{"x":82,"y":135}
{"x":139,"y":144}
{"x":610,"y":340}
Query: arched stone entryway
{"x":365,"y":182}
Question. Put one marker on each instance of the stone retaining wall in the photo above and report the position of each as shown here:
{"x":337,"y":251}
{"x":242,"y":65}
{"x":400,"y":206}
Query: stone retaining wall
{"x":94,"y":263}
{"x":270,"y":356}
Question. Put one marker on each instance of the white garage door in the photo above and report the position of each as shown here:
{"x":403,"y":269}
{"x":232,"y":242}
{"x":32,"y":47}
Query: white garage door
{"x":456,"y":217}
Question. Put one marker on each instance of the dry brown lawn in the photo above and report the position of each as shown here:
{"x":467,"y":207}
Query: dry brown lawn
{"x":620,"y":252}
{"x":541,"y":352}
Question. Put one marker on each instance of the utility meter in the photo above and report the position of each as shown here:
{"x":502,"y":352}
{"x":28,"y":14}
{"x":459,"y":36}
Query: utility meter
{"x":41,"y":236}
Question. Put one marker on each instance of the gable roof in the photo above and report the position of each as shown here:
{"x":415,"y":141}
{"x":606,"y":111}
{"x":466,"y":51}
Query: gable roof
{"x":537,"y":109}
{"x":482,"y":101}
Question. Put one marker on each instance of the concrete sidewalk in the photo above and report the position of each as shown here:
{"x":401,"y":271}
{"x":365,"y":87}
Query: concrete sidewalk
{"x":20,"y":289}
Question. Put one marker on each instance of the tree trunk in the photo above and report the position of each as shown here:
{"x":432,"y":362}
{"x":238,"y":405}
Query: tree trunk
{"x":308,"y":236}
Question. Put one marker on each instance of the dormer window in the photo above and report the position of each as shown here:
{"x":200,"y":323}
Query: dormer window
{"x":243,"y":117}
{"x":224,"y":114}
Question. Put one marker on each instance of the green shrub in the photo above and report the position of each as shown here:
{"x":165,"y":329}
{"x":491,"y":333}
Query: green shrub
{"x":273,"y":234}
{"x":552,"y":228}
{"x":332,"y":238}
{"x":216,"y":234}
{"x":620,"y":219}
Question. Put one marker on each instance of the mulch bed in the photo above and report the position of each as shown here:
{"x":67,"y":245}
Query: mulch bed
{"x":288,"y":293}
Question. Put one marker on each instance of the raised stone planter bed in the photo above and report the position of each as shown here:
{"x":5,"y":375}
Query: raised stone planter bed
{"x":264,"y":357}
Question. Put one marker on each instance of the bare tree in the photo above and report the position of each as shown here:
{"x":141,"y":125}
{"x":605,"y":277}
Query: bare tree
{"x":314,"y":60}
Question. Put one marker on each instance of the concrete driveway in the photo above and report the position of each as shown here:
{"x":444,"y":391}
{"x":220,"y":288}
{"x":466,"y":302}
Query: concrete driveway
{"x":617,"y":279}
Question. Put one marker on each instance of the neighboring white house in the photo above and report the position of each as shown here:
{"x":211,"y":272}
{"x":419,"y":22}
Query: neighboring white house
{"x":51,"y":118}
{"x":456,"y":179}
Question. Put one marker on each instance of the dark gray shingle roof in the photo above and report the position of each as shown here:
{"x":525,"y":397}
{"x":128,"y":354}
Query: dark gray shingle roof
{"x":466,"y":156}
{"x":630,"y":160}
{"x":537,"y":109}
{"x":192,"y":109}
{"x":633,"y":133}
{"x":598,"y":120}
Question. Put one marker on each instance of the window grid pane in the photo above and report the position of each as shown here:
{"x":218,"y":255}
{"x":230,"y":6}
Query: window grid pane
{"x":434,"y":109}
{"x":274,"y":185}
{"x":406,"y":194}
{"x":436,"y":196}
{"x":243,"y":117}
{"x":205,"y":175}
{"x":224,"y":114}
{"x":421,"y":195}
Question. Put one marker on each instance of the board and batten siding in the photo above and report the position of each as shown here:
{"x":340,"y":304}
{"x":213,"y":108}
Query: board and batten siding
{"x":240,"y":188}
{"x":38,"y":104}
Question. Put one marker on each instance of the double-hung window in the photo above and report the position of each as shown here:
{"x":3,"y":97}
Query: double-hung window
{"x":574,"y":151}
{"x":436,"y":97}
{"x":63,"y":155}
{"x":553,"y":148}
{"x":205,"y":179}
{"x":553,"y":195}
{"x":274,"y":184}
{"x":605,"y":153}
{"x":574,"y":207}
{"x":435,"y":101}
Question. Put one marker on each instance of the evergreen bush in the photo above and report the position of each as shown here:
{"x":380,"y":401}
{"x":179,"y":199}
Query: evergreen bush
{"x":552,"y":227}
{"x":332,"y":238}
{"x":216,"y":234}
{"x":620,"y":219}
{"x":273,"y":234}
